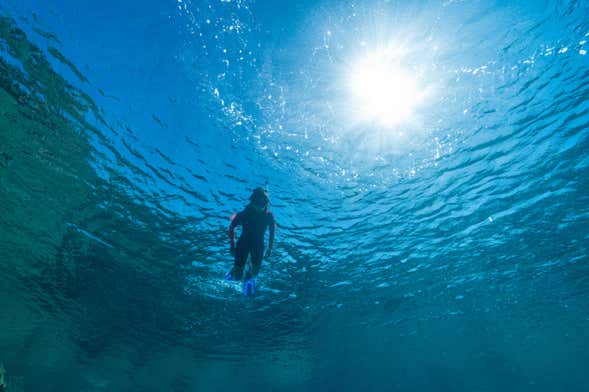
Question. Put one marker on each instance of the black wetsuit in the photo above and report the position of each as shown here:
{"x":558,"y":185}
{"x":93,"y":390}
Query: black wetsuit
{"x":251,"y":240}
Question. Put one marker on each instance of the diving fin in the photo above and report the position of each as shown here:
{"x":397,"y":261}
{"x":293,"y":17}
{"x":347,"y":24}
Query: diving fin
{"x":234,"y":274}
{"x":249,"y":287}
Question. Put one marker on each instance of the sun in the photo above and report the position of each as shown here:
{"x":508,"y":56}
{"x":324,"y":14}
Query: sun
{"x":381,"y":90}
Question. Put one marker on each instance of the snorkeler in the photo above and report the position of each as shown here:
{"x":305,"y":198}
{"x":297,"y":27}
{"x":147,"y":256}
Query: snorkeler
{"x":254,"y":219}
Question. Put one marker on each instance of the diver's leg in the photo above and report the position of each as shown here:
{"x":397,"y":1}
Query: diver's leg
{"x":241,"y":253}
{"x":249,"y":284}
{"x":257,"y":255}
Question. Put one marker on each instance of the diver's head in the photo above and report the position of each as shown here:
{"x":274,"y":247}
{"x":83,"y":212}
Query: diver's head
{"x":259,"y":199}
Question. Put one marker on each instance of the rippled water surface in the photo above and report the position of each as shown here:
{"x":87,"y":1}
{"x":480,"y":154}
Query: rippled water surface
{"x":437,"y":243}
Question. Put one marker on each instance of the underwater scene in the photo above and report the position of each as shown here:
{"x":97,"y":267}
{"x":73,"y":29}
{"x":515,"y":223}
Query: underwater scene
{"x":326,"y":195}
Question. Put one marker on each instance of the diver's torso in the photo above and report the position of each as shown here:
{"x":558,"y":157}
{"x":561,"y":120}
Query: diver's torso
{"x":254,"y":225}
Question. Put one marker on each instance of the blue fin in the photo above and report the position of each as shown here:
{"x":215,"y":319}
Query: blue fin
{"x":229,"y":276}
{"x":249,"y":287}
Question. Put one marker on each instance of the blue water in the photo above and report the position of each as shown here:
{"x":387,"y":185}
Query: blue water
{"x":446,"y":249}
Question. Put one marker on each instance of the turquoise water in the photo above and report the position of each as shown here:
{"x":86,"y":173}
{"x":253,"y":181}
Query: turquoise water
{"x":433,"y":228}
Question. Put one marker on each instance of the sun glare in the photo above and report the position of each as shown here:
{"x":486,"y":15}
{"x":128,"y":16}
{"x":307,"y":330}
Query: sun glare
{"x":382,"y":91}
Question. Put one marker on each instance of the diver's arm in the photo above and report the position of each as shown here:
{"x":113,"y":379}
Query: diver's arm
{"x":272,"y":229}
{"x":234,"y":222}
{"x":272,"y":232}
